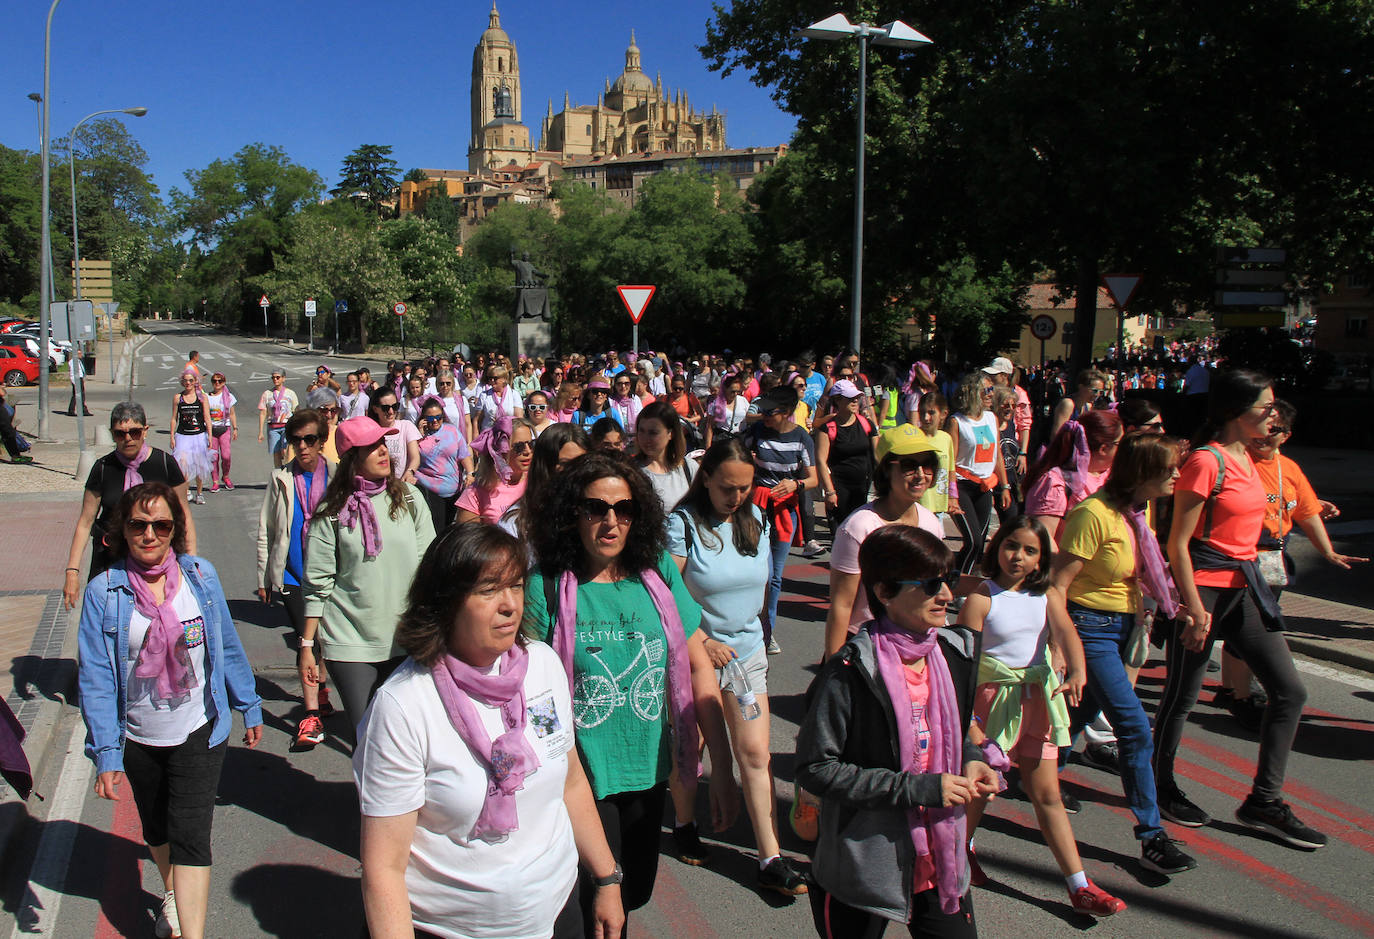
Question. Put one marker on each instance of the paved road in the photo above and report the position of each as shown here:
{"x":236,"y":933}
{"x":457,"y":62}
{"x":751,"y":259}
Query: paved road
{"x":286,"y":826}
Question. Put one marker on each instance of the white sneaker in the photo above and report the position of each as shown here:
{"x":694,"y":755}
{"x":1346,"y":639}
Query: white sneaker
{"x":812,"y":549}
{"x":199,"y":498}
{"x":167,"y":925}
{"x":773,"y":647}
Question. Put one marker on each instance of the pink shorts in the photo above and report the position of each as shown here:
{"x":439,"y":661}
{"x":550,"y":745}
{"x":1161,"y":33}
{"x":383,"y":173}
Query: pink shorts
{"x":1036,"y":733}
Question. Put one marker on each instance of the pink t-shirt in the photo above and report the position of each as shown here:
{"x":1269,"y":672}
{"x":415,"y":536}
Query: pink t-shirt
{"x":1050,"y":495}
{"x":844,"y":556}
{"x":397,"y":445}
{"x":490,"y":504}
{"x":918,"y":690}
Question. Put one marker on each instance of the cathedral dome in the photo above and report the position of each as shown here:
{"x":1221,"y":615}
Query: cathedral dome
{"x":632,"y":80}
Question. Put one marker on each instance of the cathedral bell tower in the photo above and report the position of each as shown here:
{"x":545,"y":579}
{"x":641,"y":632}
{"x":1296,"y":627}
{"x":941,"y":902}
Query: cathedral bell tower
{"x":496,"y":100}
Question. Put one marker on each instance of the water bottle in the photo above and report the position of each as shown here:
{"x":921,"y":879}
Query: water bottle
{"x":738,"y":683}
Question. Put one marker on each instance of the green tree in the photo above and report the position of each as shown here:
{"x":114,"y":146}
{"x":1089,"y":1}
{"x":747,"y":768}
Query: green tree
{"x":20,"y":212}
{"x":415,"y":175}
{"x":439,"y":286}
{"x":368,"y":176}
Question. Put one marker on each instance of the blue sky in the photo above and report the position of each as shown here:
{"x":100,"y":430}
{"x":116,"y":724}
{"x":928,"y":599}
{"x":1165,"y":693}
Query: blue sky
{"x":319,"y":78}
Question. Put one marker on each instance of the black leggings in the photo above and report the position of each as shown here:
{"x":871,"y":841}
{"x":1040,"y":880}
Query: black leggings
{"x":357,"y":682}
{"x":836,"y":920}
{"x":442,"y":509}
{"x":976,"y":505}
{"x":174,"y":789}
{"x":633,"y":822}
{"x":1236,"y":619}
{"x":849,"y":498}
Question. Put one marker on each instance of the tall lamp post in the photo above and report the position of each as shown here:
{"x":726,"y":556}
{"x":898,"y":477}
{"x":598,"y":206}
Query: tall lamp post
{"x":44,"y":272}
{"x":897,"y":34}
{"x":78,"y":390}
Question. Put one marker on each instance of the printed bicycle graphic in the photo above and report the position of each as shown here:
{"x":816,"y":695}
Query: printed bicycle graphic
{"x":595,"y":697}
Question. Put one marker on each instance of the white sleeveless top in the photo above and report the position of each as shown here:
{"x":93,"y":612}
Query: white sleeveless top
{"x":1016,"y":628}
{"x":978,"y":443}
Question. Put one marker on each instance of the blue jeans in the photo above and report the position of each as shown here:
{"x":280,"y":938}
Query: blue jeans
{"x":1104,"y":636}
{"x":778,"y":551}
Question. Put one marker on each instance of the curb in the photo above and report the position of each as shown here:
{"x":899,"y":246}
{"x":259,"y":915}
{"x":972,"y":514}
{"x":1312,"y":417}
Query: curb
{"x":1327,"y":652}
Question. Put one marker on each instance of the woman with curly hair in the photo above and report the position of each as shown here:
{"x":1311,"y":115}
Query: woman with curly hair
{"x":609,"y":599}
{"x":366,"y":539}
{"x":973,"y":429}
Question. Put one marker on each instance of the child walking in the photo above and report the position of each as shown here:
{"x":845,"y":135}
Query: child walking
{"x":1020,"y":702}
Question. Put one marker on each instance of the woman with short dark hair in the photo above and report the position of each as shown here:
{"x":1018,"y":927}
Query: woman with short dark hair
{"x":445,"y":463}
{"x":608,"y":598}
{"x":468,"y":793}
{"x":162,"y":716}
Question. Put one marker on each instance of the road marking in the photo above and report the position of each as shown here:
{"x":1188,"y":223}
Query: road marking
{"x":1363,"y":682}
{"x":37,"y":914}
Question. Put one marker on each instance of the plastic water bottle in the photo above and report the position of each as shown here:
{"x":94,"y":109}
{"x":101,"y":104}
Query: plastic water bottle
{"x":738,"y":683}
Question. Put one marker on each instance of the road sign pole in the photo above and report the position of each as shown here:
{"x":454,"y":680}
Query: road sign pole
{"x":336,"y":329}
{"x":403,"y":338}
{"x":265,"y":333}
{"x":312,"y":333}
{"x":634,"y":338}
{"x":1042,"y":356}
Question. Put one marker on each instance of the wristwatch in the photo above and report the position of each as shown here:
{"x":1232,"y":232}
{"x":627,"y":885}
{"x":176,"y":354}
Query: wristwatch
{"x":616,"y":877}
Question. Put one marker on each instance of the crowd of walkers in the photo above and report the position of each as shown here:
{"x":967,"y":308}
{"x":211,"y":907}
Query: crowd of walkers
{"x":544,"y":590}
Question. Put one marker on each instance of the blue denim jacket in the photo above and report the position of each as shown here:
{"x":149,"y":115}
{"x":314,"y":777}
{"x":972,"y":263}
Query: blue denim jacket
{"x":103,"y":642}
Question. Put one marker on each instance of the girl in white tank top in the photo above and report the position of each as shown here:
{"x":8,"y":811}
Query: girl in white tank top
{"x":1019,"y":706}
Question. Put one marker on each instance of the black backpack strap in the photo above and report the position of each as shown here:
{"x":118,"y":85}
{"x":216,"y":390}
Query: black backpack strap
{"x":551,"y":604}
{"x":1216,"y":491}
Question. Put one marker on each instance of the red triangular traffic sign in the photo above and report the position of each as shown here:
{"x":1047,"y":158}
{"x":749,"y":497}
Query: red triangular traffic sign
{"x":1122,"y":287}
{"x":636,"y":298}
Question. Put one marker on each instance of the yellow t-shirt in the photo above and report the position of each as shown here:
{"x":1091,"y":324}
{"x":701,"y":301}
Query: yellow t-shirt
{"x":1101,"y":536}
{"x":936,"y":498}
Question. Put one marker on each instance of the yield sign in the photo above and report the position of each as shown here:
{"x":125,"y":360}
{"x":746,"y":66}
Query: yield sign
{"x":1122,"y":287}
{"x":636,"y":297}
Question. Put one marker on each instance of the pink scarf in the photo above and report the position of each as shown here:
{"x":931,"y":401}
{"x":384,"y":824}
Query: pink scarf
{"x":164,"y":655}
{"x":310,"y":500}
{"x":681,"y":704}
{"x":509,"y":758}
{"x":934,"y":829}
{"x":1151,"y":570}
{"x":358,"y":509}
{"x":278,"y":398}
{"x":132,"y":477}
{"x":495,"y":443}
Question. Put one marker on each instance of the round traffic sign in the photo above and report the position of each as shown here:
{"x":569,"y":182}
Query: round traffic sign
{"x":399,"y":309}
{"x":1043,"y":327}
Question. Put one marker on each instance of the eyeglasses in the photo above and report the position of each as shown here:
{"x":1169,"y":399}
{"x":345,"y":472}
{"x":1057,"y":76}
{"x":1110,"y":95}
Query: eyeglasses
{"x":388,"y":407}
{"x":599,"y":391}
{"x":274,"y":377}
{"x":522,"y":446}
{"x":217,"y":381}
{"x":536,"y":407}
{"x":931,"y":585}
{"x":445,"y":384}
{"x":162,"y":527}
{"x":133,"y":433}
{"x":328,"y":411}
{"x":308,"y":439}
{"x":1264,"y":409}
{"x":594,"y":510}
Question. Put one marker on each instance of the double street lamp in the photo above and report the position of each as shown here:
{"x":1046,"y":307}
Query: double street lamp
{"x":897,"y":34}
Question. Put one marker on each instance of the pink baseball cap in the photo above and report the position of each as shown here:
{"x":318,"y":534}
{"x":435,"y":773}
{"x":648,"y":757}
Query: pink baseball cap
{"x":845,"y":389}
{"x":360,"y":432}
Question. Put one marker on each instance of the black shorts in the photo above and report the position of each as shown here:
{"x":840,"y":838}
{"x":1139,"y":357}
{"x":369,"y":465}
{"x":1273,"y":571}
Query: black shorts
{"x":293,"y":598}
{"x":174,"y":789}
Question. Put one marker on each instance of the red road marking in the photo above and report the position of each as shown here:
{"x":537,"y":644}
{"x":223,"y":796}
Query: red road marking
{"x":677,"y":907}
{"x":125,"y":825}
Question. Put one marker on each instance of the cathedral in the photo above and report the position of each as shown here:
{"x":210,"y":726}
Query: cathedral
{"x":632,"y":115}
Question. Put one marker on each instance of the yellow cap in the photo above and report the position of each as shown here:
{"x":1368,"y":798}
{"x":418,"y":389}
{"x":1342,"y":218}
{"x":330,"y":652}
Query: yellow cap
{"x":903,"y":440}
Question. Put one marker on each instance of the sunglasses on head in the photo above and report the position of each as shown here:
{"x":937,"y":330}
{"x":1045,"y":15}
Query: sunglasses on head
{"x":594,"y":510}
{"x":133,"y":433}
{"x":162,"y":527}
{"x":308,"y":439}
{"x":931,"y":585}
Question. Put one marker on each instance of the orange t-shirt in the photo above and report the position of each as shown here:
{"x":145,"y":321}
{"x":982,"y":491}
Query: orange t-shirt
{"x":1237,"y":517}
{"x":1297,"y":501}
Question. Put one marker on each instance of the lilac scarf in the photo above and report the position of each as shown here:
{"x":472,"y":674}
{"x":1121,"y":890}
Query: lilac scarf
{"x":934,"y":829}
{"x":681,"y":704}
{"x":1151,"y":570}
{"x":358,"y":509}
{"x":310,"y":500}
{"x":132,"y":477}
{"x":495,"y":443}
{"x":165,"y":655}
{"x":509,"y":758}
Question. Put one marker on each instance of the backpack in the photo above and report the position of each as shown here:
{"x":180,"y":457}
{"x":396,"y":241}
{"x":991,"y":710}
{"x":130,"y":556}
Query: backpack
{"x":1216,"y":491}
{"x":832,"y":428}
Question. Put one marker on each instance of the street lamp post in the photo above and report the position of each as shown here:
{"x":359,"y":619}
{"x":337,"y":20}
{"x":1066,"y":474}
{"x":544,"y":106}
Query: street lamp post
{"x":78,"y":388}
{"x":897,"y":34}
{"x":44,"y":273}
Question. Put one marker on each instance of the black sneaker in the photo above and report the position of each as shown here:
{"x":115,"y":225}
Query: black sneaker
{"x":1277,"y":819}
{"x":687,"y":846}
{"x":781,"y":876}
{"x":1071,"y":804}
{"x":1103,"y":756}
{"x":1174,"y":806}
{"x":1162,"y":855}
{"x":1248,"y":712}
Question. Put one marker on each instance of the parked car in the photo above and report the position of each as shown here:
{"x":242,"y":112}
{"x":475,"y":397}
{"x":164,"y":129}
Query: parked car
{"x":59,"y":350}
{"x":17,"y":367}
{"x":10,"y":324}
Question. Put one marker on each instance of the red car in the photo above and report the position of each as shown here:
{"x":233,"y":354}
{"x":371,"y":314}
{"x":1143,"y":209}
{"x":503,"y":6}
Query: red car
{"x":17,"y":367}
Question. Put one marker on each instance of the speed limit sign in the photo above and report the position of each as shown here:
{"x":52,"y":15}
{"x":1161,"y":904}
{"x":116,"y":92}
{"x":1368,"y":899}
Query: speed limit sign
{"x":1043,"y":327}
{"x":400,"y":309}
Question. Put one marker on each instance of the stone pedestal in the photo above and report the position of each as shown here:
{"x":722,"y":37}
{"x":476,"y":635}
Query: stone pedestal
{"x":531,"y":338}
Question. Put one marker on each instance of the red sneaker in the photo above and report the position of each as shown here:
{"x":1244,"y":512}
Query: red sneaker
{"x":309,"y":732}
{"x":1095,"y":901}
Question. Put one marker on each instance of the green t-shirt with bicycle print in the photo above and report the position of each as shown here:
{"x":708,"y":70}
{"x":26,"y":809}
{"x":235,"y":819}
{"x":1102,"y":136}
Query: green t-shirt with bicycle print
{"x":619,"y":661}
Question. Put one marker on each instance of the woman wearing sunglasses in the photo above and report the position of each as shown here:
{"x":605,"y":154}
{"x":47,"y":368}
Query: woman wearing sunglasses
{"x":364,"y":542}
{"x":455,"y":405}
{"x":537,"y":412}
{"x":131,"y":462}
{"x":404,"y":444}
{"x":884,"y":745}
{"x":224,"y":427}
{"x":609,"y":599}
{"x":190,"y":432}
{"x":625,"y":402}
{"x":162,"y":671}
{"x":445,"y":463}
{"x":504,"y":451}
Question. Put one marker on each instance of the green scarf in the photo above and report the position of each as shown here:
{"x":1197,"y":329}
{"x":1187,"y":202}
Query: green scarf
{"x":1003,"y":725}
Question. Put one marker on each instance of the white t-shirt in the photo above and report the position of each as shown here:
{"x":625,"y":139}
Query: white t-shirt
{"x":1016,"y":628}
{"x":352,"y":406}
{"x":396,"y":445}
{"x":410,"y":758}
{"x":844,"y":555}
{"x":154,"y":721}
{"x":489,"y":407}
{"x":456,"y":410}
{"x":220,"y":403}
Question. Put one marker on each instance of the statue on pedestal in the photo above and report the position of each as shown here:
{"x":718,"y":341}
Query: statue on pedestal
{"x":531,"y":293}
